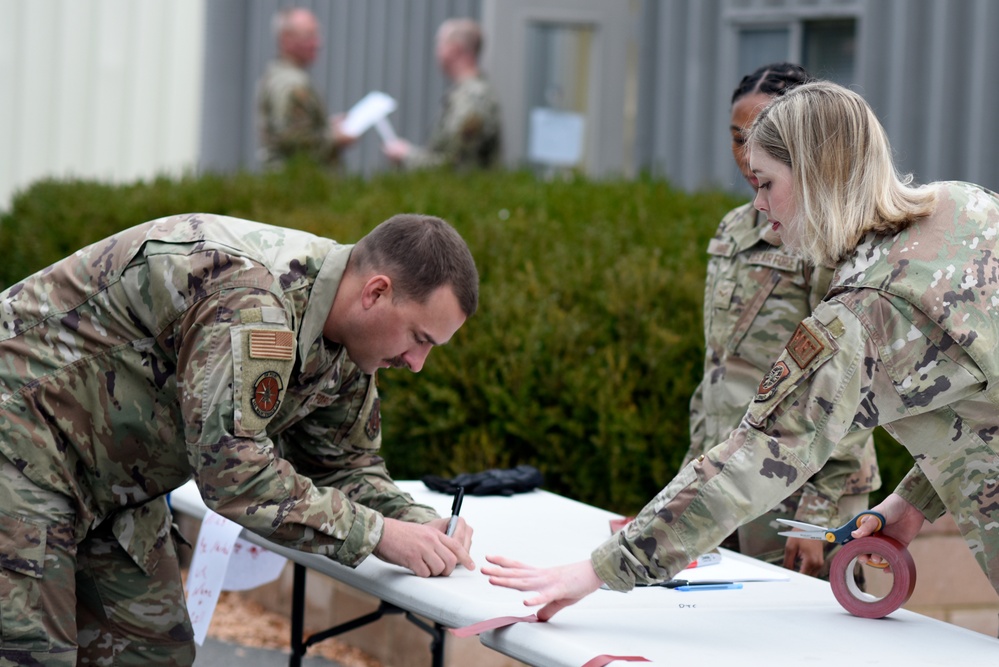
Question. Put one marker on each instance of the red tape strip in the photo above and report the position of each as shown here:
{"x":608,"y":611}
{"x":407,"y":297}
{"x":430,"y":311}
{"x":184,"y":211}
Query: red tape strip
{"x":602,"y":660}
{"x":845,"y":587}
{"x":491,"y":624}
{"x":503,"y":621}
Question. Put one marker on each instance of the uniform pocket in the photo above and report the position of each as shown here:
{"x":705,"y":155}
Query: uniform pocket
{"x":142,"y":532}
{"x":22,"y":557}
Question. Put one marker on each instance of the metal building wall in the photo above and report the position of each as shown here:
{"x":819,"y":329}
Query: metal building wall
{"x":385,"y":45}
{"x":101,"y":89}
{"x":928,"y":68}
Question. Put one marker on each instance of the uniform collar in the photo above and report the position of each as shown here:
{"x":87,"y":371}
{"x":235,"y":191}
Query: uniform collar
{"x":747,"y":227}
{"x":321,"y":297}
{"x":766,"y":231}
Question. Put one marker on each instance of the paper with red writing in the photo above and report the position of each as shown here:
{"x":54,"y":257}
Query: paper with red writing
{"x":212,"y":552}
{"x":251,"y":566}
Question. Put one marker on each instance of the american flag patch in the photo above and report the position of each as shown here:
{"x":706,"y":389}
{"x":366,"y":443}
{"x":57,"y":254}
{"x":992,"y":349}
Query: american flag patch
{"x":270,"y":344}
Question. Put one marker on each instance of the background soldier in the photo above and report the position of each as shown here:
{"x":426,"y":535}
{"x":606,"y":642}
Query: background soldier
{"x":467,"y":134}
{"x":755,"y":294}
{"x":291,"y":117}
{"x":237,"y":353}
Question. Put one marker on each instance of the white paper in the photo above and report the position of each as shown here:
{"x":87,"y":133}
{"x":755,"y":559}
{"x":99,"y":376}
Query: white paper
{"x":556,"y":137}
{"x":251,"y":566}
{"x":212,"y":551}
{"x":373,"y":107}
{"x":730,"y":569}
{"x":386,"y":131}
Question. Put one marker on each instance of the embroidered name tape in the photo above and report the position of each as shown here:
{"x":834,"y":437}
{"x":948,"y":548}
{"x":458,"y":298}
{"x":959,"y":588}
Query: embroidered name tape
{"x":272,"y":344}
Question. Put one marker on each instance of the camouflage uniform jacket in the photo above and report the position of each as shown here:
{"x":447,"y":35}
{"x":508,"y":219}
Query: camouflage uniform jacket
{"x":192,"y":345}
{"x":907,"y":337}
{"x":291,"y":118}
{"x":755,"y":294}
{"x":467,"y":134}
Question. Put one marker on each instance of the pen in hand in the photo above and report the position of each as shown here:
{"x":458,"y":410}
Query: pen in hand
{"x":455,"y":509}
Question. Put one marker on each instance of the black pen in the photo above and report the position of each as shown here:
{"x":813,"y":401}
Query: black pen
{"x":455,"y":509}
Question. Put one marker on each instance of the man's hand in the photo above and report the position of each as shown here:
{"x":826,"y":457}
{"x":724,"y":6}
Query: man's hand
{"x":424,"y":548}
{"x":340,"y":137}
{"x":397,"y":150}
{"x":811,"y":554}
{"x":902,"y":522}
{"x":557,"y":587}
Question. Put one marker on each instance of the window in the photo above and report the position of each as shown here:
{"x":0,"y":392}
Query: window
{"x":557,"y":79}
{"x":827,"y":47}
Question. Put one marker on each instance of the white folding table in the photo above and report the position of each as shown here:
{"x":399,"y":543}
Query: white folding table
{"x":793,"y":622}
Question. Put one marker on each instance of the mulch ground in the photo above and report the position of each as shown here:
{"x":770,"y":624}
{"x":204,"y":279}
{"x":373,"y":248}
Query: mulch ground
{"x":240,"y":620}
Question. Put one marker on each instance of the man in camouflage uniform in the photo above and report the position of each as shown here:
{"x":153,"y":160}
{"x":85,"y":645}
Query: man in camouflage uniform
{"x":237,"y":353}
{"x":755,"y":295}
{"x":467,"y":133}
{"x":291,"y":117}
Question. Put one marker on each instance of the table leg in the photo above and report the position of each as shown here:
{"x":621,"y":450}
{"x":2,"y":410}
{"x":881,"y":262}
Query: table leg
{"x":298,"y":644}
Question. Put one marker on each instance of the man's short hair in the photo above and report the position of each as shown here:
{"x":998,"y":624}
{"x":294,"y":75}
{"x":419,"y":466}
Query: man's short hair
{"x":464,"y":32}
{"x":281,"y":22}
{"x":420,"y":253}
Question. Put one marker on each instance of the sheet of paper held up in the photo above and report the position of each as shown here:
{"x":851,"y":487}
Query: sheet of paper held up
{"x":371,"y":108}
{"x":220,"y":560}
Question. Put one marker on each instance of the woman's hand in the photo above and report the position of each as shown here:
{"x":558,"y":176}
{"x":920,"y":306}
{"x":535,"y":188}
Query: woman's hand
{"x":809,"y":555}
{"x":902,"y":522}
{"x":556,"y":587}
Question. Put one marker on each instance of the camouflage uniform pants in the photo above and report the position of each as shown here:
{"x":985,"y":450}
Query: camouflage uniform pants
{"x":67,"y":601}
{"x":759,"y":537}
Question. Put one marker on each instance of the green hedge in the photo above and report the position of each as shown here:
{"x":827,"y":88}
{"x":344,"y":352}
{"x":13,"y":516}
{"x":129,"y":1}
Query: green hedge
{"x":585,"y":349}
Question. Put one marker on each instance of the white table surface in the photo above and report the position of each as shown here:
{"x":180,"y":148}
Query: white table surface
{"x":793,"y":622}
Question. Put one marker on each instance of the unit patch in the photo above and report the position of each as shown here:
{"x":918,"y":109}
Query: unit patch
{"x":266,"y":394}
{"x":768,"y":387}
{"x":373,"y":426}
{"x":272,"y":344}
{"x":803,"y":346}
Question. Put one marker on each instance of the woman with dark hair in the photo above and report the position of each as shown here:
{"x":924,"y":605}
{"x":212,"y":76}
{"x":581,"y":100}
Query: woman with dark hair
{"x":755,"y":294}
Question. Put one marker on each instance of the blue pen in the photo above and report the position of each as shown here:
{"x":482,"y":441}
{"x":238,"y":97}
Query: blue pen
{"x":709,"y":587}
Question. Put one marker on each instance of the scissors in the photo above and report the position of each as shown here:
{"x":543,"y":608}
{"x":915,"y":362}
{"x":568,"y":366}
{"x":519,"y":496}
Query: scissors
{"x":841,"y":535}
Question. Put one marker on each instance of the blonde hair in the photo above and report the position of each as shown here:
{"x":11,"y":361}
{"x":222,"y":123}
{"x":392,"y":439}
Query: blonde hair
{"x":845,"y":180}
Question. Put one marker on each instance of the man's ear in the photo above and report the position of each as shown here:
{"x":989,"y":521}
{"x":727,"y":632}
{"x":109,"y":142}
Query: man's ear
{"x":377,"y":287}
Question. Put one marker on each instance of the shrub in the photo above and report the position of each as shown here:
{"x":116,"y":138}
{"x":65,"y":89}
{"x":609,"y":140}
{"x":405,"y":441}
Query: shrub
{"x":587,"y":343}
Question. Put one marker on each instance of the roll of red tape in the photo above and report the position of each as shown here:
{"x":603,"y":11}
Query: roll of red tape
{"x":845,"y":587}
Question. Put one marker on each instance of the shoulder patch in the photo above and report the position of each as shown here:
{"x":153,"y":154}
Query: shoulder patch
{"x":266,"y":397}
{"x":249,"y":315}
{"x":272,"y":344}
{"x":768,"y":387}
{"x":804,"y":346}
